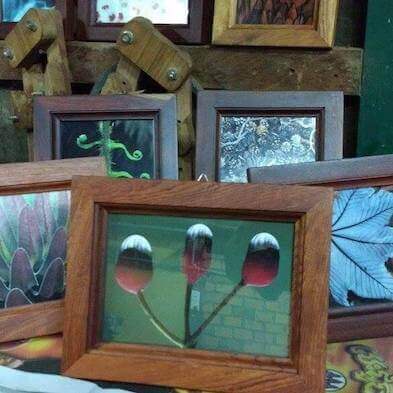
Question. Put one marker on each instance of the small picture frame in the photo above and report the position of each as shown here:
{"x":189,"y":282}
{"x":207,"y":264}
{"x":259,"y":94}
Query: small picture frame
{"x":361,"y":277}
{"x":11,"y":12}
{"x":182,"y":21}
{"x":291,"y":23}
{"x":186,"y":274}
{"x":34,"y":210}
{"x":136,"y":134}
{"x":238,"y":130}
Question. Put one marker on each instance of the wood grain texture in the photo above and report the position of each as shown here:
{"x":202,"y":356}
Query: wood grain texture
{"x":212,"y":103}
{"x":42,"y":318}
{"x":65,"y":7}
{"x":198,"y":30}
{"x":223,"y":68}
{"x":154,"y":54}
{"x":321,"y":35}
{"x":50,"y":111}
{"x":85,"y":356}
{"x":359,"y":322}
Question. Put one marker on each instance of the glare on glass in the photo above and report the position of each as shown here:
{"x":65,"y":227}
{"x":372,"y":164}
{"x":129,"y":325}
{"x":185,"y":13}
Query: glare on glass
{"x":255,"y":141}
{"x":14,"y":10}
{"x":188,"y":282}
{"x":173,"y":12}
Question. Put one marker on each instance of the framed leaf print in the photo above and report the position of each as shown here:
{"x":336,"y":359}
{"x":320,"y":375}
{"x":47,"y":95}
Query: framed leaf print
{"x":361,"y":272}
{"x":182,"y":21}
{"x":11,"y":11}
{"x":290,"y":23}
{"x":182,"y":276}
{"x":238,"y":130}
{"x":34,"y":215}
{"x":136,"y":134}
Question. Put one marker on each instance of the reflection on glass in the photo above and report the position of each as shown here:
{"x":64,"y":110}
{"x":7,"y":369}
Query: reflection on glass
{"x":127,"y":145}
{"x":213,"y":284}
{"x":361,"y":260}
{"x":173,"y":12}
{"x":255,"y":141}
{"x":33,"y":237}
{"x":14,"y":10}
{"x":275,"y":12}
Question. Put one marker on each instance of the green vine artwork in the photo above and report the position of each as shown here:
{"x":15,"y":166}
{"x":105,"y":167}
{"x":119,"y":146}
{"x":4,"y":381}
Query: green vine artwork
{"x":107,"y":146}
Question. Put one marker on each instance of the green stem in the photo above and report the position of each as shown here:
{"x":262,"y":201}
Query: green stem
{"x":135,"y":156}
{"x":87,"y":146}
{"x":157,"y":323}
{"x":187,"y":313}
{"x":215,"y":312}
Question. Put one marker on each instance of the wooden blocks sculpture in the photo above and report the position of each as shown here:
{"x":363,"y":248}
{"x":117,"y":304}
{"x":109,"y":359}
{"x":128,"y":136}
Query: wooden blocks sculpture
{"x":143,"y":48}
{"x":39,"y":32}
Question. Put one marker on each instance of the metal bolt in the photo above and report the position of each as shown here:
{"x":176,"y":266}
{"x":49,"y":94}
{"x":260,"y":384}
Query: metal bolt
{"x":172,"y":74}
{"x":14,"y":118}
{"x":37,"y":93}
{"x":127,"y":37}
{"x":31,"y":25}
{"x":8,"y":53}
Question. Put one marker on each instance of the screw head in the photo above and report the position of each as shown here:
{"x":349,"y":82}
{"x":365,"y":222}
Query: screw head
{"x":14,"y":118}
{"x":8,"y":53}
{"x":172,"y":74}
{"x":31,"y":25}
{"x":127,"y":37}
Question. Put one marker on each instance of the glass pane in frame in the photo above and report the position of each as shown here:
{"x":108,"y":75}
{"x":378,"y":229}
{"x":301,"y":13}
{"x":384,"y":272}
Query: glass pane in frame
{"x":193,"y":282}
{"x":165,"y":12}
{"x":128,"y":145}
{"x":14,"y":10}
{"x":276,"y":12}
{"x":33,"y":237}
{"x":249,"y":140}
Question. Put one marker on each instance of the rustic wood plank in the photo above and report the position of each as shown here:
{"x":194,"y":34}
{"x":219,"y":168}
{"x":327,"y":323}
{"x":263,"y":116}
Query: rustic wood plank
{"x":234,"y":68}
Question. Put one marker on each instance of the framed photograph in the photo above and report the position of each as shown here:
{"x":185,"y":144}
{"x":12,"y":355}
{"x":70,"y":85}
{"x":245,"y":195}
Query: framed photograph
{"x":136,"y":134}
{"x":34,"y":218}
{"x":181,"y":276}
{"x":239,"y":130}
{"x":182,"y":21}
{"x":361,"y":273}
{"x":290,"y":23}
{"x":12,"y":11}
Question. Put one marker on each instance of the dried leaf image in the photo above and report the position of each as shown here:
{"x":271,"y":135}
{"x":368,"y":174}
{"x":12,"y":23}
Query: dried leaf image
{"x":33,"y":242}
{"x":275,"y":12}
{"x":362,"y":245}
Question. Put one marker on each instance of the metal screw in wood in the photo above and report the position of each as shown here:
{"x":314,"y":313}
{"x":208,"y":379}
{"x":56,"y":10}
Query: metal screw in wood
{"x":8,"y":53}
{"x":31,"y":25}
{"x":172,"y":74}
{"x":127,"y":37}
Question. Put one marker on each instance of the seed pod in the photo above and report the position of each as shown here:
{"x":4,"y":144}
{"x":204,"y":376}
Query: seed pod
{"x":197,"y":252}
{"x":261,"y":264}
{"x":134,"y":268}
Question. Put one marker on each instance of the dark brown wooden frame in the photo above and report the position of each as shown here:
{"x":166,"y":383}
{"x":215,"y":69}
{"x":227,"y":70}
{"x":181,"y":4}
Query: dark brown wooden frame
{"x":85,"y":356}
{"x":360,"y":322}
{"x":50,"y":111}
{"x":66,"y":8}
{"x":198,"y":30}
{"x":47,"y":317}
{"x":328,"y":106}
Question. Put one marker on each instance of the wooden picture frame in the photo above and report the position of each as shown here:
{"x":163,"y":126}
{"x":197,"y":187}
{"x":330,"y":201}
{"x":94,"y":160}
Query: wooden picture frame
{"x":357,"y":322}
{"x":319,"y":33}
{"x":160,"y":110}
{"x":326,"y":107}
{"x":66,"y":8}
{"x":86,"y":356}
{"x":46,"y":317}
{"x":197,"y":31}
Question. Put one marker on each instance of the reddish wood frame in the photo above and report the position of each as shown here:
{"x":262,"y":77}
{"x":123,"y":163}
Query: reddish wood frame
{"x":42,"y":318}
{"x":198,"y":30}
{"x":327,"y":106}
{"x":50,"y":111}
{"x":360,"y":322}
{"x":66,"y":8}
{"x":85,"y":356}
